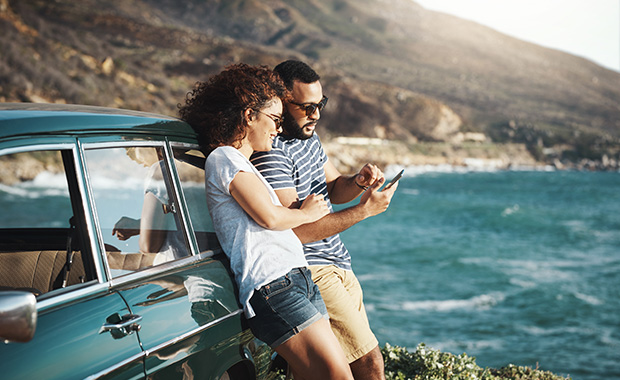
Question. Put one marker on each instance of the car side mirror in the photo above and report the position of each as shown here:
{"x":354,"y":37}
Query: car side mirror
{"x":18,"y":316}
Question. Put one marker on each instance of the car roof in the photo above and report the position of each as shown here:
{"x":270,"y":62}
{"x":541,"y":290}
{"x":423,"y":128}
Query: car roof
{"x":27,"y":119}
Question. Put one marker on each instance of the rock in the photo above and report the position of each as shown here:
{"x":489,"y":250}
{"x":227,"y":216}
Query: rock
{"x":107,"y":66}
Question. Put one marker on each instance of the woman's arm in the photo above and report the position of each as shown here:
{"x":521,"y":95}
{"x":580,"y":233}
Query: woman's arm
{"x":152,"y":225}
{"x":252,"y":195}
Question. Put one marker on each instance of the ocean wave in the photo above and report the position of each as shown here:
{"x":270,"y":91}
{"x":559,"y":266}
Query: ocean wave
{"x":579,"y":227}
{"x":13,"y":190}
{"x":467,"y":345}
{"x":48,"y":180}
{"x":481,"y":302}
{"x":45,"y":184}
{"x":470,"y":165}
{"x":588,"y":299}
{"x":608,"y":337}
{"x":522,"y":283}
{"x":539,"y":271}
{"x":129,"y":183}
{"x":594,"y":332}
{"x":510,"y":210}
{"x":605,"y":335}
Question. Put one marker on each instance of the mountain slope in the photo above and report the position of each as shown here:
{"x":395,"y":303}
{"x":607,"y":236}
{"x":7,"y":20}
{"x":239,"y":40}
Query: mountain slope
{"x":390,"y":67}
{"x":477,"y":70}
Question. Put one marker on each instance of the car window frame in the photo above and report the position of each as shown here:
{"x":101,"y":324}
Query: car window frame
{"x":57,"y":297}
{"x":124,"y":141}
{"x":92,"y":234}
{"x":191,"y":146}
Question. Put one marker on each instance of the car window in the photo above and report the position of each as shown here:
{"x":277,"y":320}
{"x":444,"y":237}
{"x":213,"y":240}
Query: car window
{"x":190,"y":165}
{"x":34,"y":190}
{"x":40,"y":243}
{"x":136,"y":210}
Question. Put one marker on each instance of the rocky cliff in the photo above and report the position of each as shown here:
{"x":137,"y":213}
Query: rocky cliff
{"x":391,"y":68}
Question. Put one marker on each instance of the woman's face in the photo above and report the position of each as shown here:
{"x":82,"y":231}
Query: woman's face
{"x":265,"y":126}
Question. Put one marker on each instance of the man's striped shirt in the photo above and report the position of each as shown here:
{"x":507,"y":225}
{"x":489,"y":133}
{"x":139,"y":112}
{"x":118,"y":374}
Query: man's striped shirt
{"x":298,"y":164}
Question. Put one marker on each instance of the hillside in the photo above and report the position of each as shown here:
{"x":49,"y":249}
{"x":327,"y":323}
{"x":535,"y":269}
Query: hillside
{"x":391,"y":68}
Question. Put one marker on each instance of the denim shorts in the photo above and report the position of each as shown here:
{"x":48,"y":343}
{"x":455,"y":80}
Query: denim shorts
{"x":286,"y":306}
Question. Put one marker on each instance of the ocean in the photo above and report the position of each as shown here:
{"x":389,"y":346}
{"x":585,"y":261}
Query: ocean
{"x":510,"y":267}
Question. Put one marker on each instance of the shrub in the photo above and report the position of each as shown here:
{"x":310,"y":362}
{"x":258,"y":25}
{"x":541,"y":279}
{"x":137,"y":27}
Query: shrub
{"x":429,"y":364}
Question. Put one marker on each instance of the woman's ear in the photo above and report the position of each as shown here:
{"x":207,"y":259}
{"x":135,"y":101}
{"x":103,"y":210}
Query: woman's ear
{"x":248,"y":116}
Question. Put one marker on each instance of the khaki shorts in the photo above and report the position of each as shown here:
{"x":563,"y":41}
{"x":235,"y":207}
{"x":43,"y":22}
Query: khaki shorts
{"x":343,"y":297}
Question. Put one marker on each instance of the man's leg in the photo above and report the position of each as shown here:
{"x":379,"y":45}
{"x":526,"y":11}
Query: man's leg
{"x":343,"y":298}
{"x":369,"y":366}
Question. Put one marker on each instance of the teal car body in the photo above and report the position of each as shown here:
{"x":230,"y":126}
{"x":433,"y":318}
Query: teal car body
{"x":109,"y":266}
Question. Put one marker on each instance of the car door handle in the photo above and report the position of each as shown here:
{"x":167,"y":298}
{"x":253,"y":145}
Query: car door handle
{"x":121,"y":326}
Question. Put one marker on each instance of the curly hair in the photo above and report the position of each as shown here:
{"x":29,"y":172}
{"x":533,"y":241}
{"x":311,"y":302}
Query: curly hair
{"x":215,"y":109}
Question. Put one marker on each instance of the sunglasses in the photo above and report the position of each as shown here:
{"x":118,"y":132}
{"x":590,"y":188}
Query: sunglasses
{"x":311,"y":108}
{"x":276,"y":119}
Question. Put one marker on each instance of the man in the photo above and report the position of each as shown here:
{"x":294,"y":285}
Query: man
{"x":296,"y":167}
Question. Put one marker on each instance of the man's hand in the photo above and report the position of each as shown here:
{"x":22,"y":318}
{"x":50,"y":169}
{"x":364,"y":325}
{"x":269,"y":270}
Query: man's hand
{"x":374,"y":201}
{"x":368,"y":175}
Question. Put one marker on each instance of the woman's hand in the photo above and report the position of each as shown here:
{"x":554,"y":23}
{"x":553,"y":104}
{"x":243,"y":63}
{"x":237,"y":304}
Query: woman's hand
{"x":315,"y":207}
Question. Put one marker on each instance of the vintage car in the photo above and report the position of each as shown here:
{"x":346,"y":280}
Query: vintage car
{"x":109,"y":266}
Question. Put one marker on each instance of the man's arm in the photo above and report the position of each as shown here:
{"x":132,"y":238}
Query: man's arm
{"x":371,"y":203}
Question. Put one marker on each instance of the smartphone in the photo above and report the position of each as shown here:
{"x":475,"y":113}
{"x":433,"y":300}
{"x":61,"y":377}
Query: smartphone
{"x":393,"y":181}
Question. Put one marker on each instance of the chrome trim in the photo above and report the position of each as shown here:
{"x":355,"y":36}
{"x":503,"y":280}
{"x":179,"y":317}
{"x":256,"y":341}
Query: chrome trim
{"x":161,"y":346}
{"x":31,"y":148}
{"x":210,"y":253}
{"x":83,"y":183}
{"x":179,"y":196}
{"x":97,"y":244}
{"x":157,"y":141}
{"x":72,"y":294}
{"x":130,"y":324}
{"x":185,"y":209}
{"x":160,"y":268}
{"x":18,"y":310}
{"x":184,"y":145}
{"x":107,"y":371}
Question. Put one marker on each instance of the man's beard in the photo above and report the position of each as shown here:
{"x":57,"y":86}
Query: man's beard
{"x":292,"y":129}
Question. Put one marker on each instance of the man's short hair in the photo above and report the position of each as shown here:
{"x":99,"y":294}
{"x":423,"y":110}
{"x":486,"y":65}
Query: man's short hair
{"x":291,"y":71}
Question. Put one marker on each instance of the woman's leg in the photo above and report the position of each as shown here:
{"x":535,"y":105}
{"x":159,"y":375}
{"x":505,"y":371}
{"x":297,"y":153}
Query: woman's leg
{"x":314,"y":353}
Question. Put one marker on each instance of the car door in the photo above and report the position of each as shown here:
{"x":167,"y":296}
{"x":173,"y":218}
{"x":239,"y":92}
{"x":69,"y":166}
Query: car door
{"x":84,"y":328}
{"x":190,"y":323}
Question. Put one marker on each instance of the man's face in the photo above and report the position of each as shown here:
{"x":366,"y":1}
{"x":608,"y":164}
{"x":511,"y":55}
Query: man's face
{"x":297,"y":122}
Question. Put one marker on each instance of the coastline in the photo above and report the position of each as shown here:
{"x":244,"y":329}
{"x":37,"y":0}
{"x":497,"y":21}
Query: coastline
{"x":349,"y":154}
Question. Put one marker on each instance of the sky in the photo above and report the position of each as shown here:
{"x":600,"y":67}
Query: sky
{"x":587,"y":28}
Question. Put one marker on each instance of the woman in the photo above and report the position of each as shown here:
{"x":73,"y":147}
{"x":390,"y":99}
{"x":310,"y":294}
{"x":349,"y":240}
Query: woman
{"x":235,"y":113}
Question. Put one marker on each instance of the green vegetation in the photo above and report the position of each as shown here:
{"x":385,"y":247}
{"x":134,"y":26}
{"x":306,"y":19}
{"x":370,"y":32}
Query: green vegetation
{"x":429,"y":364}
